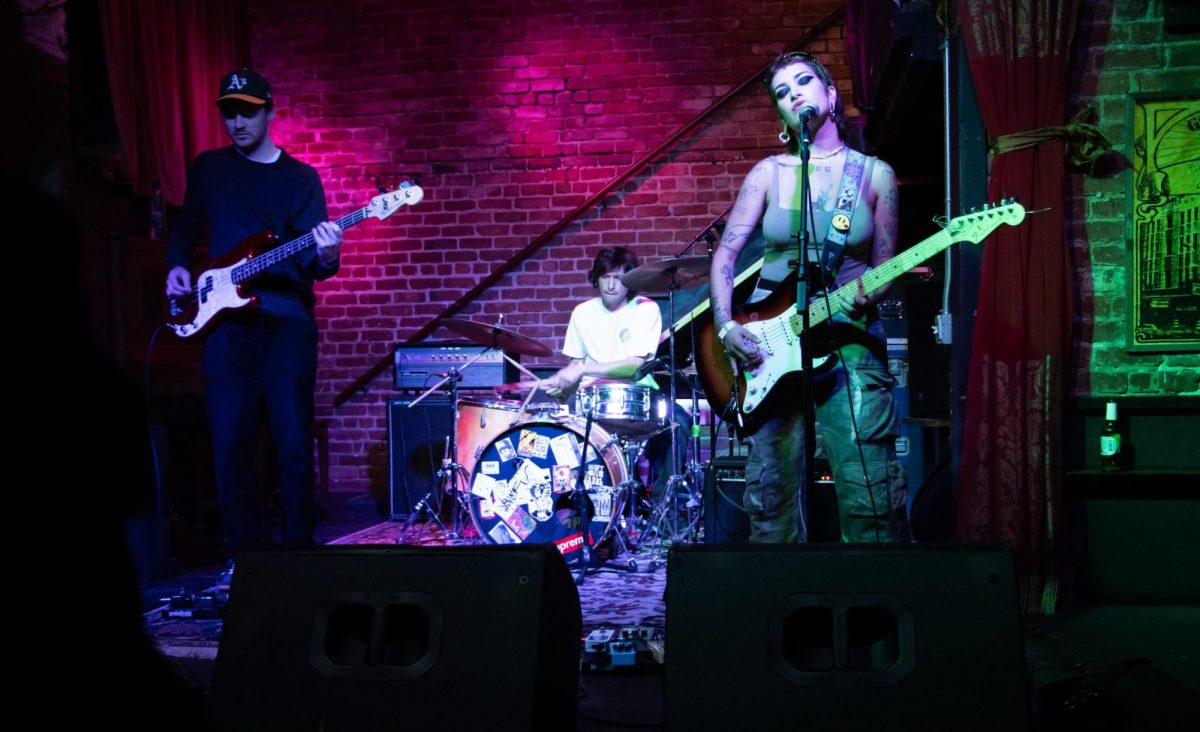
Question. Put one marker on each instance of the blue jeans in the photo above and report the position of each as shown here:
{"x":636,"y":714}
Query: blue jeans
{"x":248,"y":358}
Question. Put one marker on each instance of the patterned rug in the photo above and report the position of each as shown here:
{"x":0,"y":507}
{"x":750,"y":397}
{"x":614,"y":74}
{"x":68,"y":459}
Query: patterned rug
{"x":610,"y":597}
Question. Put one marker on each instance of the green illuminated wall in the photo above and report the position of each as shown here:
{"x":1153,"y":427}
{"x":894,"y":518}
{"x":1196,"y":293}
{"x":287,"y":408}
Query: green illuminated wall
{"x":1123,"y":48}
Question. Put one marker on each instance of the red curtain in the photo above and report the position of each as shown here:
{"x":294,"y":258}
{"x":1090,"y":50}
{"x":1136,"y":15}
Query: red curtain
{"x":1019,"y":52}
{"x":165,"y":60}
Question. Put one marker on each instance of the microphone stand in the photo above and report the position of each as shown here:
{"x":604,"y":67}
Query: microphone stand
{"x":807,"y":280}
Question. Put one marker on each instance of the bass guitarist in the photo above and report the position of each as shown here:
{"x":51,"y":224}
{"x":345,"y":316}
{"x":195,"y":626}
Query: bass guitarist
{"x":853,"y":199}
{"x":269,"y":352}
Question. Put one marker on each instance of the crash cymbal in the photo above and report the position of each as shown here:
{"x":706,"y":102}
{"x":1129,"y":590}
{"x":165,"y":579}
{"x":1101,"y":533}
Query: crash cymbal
{"x":667,"y":274}
{"x":497,"y":337}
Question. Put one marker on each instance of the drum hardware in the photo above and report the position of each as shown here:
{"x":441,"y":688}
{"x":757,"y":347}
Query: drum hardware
{"x":676,"y":516}
{"x":447,"y":480}
{"x":625,"y":514}
{"x":634,"y":413}
{"x":670,"y":275}
{"x":499,"y":338}
{"x":452,"y":479}
{"x":582,"y":502}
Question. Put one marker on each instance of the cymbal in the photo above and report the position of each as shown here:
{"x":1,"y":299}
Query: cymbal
{"x":497,"y":337}
{"x":667,"y":274}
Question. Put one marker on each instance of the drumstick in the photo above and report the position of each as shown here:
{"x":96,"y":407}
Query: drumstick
{"x":516,"y":386}
{"x":525,"y":404}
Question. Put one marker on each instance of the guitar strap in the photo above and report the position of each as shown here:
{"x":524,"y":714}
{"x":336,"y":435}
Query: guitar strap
{"x":843,"y":214}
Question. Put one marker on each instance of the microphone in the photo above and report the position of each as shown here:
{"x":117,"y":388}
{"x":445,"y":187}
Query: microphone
{"x":650,"y":367}
{"x":807,"y":112}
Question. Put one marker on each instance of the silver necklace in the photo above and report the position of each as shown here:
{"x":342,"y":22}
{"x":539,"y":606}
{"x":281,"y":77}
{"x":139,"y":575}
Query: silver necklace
{"x":829,"y":154}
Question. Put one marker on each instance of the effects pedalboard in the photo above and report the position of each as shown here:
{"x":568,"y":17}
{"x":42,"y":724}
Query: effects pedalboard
{"x":205,"y":605}
{"x":606,"y":649}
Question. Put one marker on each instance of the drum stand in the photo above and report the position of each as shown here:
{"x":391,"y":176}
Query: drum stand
{"x":580,"y":501}
{"x":676,"y":516}
{"x":623,"y":502}
{"x":451,"y":479}
{"x":664,"y":522}
{"x":624,"y":545}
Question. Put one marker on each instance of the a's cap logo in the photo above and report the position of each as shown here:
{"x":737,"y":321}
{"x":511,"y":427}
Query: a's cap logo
{"x":236,"y":82}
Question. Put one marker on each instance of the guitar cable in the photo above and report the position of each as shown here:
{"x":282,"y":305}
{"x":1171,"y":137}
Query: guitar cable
{"x":162,"y":546}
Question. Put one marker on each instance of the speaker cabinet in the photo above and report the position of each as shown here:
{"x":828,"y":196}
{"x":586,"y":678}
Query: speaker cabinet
{"x":844,"y":637}
{"x":416,"y":442}
{"x":725,"y":521}
{"x":384,"y":638}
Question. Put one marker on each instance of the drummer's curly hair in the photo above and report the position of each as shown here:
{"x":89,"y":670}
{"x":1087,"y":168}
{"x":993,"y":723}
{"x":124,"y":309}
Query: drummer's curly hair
{"x":610,"y":258}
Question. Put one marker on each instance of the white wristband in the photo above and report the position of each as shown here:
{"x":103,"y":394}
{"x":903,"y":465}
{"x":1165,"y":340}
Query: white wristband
{"x":724,"y":331}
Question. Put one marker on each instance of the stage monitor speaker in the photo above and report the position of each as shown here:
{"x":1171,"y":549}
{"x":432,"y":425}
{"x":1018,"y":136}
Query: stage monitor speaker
{"x":845,"y":637}
{"x":416,"y":443}
{"x":384,"y":638}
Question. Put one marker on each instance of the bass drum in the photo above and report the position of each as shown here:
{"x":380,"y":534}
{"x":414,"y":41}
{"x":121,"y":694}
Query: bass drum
{"x":480,"y":421}
{"x":522,"y":487}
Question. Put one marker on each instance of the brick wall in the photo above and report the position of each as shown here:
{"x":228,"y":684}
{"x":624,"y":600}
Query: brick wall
{"x":509,"y":115}
{"x":1123,"y":50}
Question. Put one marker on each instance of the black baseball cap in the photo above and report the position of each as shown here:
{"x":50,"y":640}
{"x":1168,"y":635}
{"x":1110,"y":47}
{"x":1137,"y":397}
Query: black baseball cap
{"x":244,"y":86}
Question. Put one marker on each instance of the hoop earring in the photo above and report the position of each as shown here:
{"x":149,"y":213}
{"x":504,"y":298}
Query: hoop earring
{"x":785,"y":137}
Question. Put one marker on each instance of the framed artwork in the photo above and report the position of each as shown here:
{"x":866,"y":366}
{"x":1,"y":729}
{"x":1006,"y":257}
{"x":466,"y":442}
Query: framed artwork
{"x":1164,"y":223}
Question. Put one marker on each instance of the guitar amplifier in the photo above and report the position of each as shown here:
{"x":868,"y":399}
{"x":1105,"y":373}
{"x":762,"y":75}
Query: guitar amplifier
{"x":725,"y":520}
{"x":418,"y":365}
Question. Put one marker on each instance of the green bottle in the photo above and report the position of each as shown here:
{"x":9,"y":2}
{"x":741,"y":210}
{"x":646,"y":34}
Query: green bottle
{"x":1110,"y":441}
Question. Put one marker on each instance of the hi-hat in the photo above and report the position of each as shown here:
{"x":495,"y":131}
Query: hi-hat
{"x":497,"y":337}
{"x":668,"y":274}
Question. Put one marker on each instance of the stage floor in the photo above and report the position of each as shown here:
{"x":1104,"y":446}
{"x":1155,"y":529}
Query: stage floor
{"x":1077,"y":642}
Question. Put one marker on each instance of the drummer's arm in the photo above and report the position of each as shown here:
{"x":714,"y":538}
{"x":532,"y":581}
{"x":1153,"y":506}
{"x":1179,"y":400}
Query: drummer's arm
{"x":622,"y":369}
{"x":569,"y":376}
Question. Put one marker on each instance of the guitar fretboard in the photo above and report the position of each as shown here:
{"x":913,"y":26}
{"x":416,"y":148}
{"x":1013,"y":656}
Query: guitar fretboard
{"x":261,"y":263}
{"x":818,"y":311}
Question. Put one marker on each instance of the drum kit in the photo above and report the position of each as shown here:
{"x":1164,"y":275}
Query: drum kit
{"x":520,"y":471}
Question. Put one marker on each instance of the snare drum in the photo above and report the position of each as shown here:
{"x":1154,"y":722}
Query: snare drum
{"x":522,"y":485}
{"x":629,"y":410}
{"x":480,"y":421}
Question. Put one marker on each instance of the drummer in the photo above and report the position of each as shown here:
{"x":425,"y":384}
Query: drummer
{"x":608,"y":339}
{"x":610,"y":336}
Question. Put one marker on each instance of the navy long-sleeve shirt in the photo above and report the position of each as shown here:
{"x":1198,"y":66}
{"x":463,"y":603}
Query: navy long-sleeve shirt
{"x":236,"y":198}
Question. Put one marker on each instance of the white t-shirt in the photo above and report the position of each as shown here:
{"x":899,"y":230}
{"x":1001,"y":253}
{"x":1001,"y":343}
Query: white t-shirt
{"x":599,"y":335}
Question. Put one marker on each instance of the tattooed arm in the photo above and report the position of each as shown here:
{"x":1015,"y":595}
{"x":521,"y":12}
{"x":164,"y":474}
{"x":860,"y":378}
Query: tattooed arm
{"x":747,"y":211}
